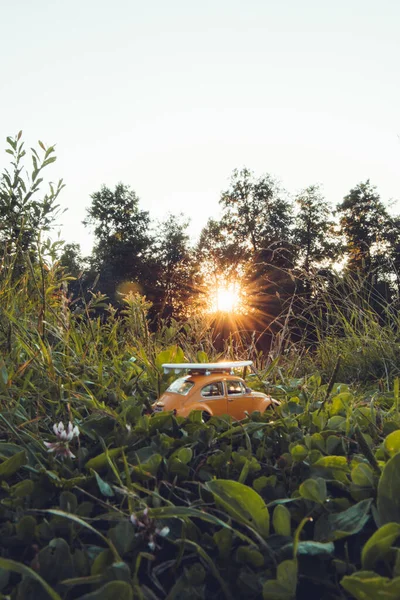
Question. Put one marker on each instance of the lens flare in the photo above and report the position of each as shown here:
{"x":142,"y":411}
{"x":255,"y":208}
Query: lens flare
{"x":226,"y":298}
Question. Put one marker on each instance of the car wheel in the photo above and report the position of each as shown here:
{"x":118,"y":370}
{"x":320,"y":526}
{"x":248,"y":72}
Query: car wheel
{"x":205,"y":416}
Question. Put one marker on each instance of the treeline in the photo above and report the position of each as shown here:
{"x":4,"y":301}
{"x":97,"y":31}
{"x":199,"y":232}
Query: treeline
{"x":284,"y":251}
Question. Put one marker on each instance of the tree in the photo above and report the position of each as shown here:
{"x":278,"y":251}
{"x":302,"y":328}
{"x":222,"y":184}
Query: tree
{"x":313,"y":231}
{"x":364,"y":222}
{"x":218,"y":253}
{"x":174,"y":269}
{"x":24,"y":212}
{"x":123,"y":242}
{"x":71,"y":259}
{"x":255,"y":212}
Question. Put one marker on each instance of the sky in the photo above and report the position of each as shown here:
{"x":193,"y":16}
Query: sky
{"x":169,"y":96}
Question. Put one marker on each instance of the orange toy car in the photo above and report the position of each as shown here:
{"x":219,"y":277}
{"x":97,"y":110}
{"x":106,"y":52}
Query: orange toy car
{"x":213,"y":389}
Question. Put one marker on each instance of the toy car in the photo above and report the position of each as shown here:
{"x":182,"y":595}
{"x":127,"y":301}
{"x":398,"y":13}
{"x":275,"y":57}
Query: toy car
{"x":213,"y":389}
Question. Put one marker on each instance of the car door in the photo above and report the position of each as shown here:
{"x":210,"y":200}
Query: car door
{"x":239,"y":400}
{"x":213,"y":395}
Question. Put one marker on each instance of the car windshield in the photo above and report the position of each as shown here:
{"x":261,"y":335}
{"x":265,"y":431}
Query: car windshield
{"x":181,"y":386}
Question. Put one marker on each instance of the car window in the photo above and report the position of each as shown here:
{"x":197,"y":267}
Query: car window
{"x":235,"y":387}
{"x":213,"y":390}
{"x":181,"y":386}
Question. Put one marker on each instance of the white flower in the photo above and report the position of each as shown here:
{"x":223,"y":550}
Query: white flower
{"x":61,"y":447}
{"x":147,"y":529}
{"x":163,"y":532}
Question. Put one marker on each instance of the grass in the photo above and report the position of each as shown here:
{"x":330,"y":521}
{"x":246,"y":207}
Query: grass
{"x":289,"y":504}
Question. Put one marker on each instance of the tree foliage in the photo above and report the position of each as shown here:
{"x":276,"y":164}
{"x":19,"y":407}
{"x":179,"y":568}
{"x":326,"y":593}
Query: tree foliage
{"x":364,"y":223}
{"x":313,"y":232}
{"x":122,"y":236}
{"x":25,"y":211}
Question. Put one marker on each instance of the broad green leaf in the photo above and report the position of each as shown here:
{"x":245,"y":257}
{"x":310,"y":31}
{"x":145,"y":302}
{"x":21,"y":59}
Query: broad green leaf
{"x":332,"y":462}
{"x":22,"y":488}
{"x":16,"y":567}
{"x":285,"y":584}
{"x":392,"y":442}
{"x":379,"y":544}
{"x":55,"y":561}
{"x":314,"y":489}
{"x":173,"y":354}
{"x":281,"y":520}
{"x":310,"y":548}
{"x":184,"y":454}
{"x":242,"y":503}
{"x":201,"y":356}
{"x":299,"y":452}
{"x":25,"y":528}
{"x":367,"y":585}
{"x":335,"y":526}
{"x":249,"y":556}
{"x":224,"y":539}
{"x":11,"y":465}
{"x":389,"y":492}
{"x":363,"y":475}
{"x":101,"y":460}
{"x":112,"y":590}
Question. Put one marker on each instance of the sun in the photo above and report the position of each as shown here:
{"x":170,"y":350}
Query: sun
{"x":226,"y":299}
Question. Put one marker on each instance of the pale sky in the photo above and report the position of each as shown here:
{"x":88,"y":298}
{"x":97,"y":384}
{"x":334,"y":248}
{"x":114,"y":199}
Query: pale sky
{"x":169,"y":96}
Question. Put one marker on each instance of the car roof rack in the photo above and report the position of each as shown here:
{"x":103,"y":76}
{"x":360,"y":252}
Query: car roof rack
{"x":207,"y":368}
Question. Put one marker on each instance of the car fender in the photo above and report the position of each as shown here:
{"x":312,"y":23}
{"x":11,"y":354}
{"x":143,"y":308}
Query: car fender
{"x":203,"y":407}
{"x":268,"y":402}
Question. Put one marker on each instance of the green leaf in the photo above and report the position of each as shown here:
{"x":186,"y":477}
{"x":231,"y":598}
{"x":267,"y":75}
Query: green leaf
{"x":249,"y":556}
{"x":16,"y":567}
{"x":11,"y":465}
{"x":332,"y":462}
{"x":310,"y":548}
{"x":392,"y":442}
{"x":48,"y":161}
{"x":367,"y":585}
{"x":55,"y":561}
{"x":223,"y":539}
{"x":389,"y":492}
{"x":25,"y":528}
{"x":201,"y":356}
{"x":335,"y":526}
{"x":104,"y":487}
{"x":112,"y":590}
{"x":101,"y":460}
{"x":3,"y":373}
{"x":285,"y":584}
{"x":379,"y":544}
{"x":184,"y":454}
{"x":299,"y":452}
{"x":281,"y":520}
{"x":314,"y":489}
{"x":363,"y":475}
{"x":173,"y":354}
{"x":242,"y":503}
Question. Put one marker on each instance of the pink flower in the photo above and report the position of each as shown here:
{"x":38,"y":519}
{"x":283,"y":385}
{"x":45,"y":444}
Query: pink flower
{"x":61,"y":447}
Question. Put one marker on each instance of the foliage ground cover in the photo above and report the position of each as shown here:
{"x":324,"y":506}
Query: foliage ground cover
{"x":299,"y":502}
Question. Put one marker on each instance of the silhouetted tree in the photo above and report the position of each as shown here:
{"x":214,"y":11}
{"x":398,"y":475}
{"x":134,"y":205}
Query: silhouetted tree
{"x":123,"y":241}
{"x":364,"y":222}
{"x":313,"y":231}
{"x":173,"y":269}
